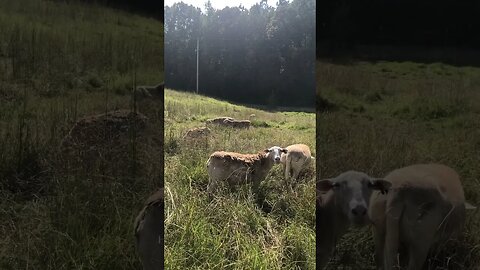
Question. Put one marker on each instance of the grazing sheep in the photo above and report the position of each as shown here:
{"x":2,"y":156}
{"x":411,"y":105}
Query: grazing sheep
{"x":217,"y":120}
{"x":236,"y":168}
{"x":228,"y":122}
{"x":237,"y":123}
{"x":425,"y":207}
{"x":342,"y":202}
{"x":196,"y":133}
{"x":297,"y":158}
{"x":148,"y":230}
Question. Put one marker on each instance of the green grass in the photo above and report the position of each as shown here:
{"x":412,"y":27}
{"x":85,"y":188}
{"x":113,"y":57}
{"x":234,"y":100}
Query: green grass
{"x":59,"y":62}
{"x":235,"y":230}
{"x":388,"y":115}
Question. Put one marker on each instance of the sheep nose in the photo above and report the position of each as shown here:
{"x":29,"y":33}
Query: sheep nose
{"x":277,"y":158}
{"x":359,"y":211}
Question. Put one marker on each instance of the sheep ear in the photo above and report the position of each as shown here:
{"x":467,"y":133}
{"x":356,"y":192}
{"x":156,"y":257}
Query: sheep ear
{"x":380,"y":184}
{"x":266,"y":150}
{"x":284,"y":150}
{"x":325,"y":185}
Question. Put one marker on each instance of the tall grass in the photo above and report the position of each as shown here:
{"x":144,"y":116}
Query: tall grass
{"x":59,"y":62}
{"x":273,"y":229}
{"x":390,"y":115}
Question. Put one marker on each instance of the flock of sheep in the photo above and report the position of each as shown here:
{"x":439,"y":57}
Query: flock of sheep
{"x":237,"y":168}
{"x":414,"y":210}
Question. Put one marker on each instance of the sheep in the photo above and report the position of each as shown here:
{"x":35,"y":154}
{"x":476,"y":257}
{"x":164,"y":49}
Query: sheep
{"x":196,"y":133}
{"x":237,"y":123}
{"x":236,"y":168}
{"x":217,"y":120}
{"x":342,"y":202}
{"x":425,"y":207}
{"x":148,"y":231}
{"x":228,"y":122}
{"x":297,"y":158}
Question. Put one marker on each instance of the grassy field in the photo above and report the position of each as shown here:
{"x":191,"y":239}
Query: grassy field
{"x":236,"y":230}
{"x":59,"y":62}
{"x":376,"y":117}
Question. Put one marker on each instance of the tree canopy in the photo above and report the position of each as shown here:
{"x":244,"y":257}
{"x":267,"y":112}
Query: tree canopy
{"x":262,"y":55}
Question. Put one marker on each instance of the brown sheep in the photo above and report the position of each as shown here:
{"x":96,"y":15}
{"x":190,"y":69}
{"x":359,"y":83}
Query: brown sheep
{"x":237,"y":168}
{"x":228,"y":122}
{"x":237,"y":123}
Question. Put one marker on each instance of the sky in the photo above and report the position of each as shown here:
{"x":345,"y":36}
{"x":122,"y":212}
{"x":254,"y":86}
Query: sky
{"x":219,"y":4}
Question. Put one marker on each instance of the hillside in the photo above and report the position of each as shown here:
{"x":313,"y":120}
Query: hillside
{"x":236,"y":230}
{"x":60,"y":62}
{"x":376,"y":117}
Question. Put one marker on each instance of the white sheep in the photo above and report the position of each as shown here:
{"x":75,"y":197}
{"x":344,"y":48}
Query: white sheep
{"x":297,"y":158}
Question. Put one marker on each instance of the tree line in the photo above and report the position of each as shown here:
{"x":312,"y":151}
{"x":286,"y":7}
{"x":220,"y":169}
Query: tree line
{"x":261,"y":55}
{"x":344,"y":25}
{"x":153,"y":8}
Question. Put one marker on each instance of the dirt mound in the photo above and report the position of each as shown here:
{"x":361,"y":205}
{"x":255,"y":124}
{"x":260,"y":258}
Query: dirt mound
{"x":103,"y":141}
{"x":197,"y":133}
{"x":104,"y":128}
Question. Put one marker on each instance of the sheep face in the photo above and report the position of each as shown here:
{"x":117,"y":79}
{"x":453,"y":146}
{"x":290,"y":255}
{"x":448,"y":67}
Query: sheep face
{"x":275,"y":153}
{"x":352,"y":193}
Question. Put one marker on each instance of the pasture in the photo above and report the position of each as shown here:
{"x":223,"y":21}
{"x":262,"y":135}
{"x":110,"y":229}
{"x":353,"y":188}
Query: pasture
{"x":235,"y":230}
{"x":376,"y":117}
{"x":61,"y":61}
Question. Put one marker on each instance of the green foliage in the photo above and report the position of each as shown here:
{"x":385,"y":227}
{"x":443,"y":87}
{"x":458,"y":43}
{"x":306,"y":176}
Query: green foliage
{"x":272,"y":229}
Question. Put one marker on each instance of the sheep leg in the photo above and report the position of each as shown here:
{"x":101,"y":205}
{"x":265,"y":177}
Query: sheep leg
{"x":256,"y":184}
{"x":288,"y":168}
{"x":379,"y":239}
{"x":417,"y":254}
{"x":211,"y":186}
{"x":295,"y":173}
{"x":394,"y":214}
{"x":424,"y":233}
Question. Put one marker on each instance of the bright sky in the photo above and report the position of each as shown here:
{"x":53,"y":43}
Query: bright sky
{"x":220,"y":4}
